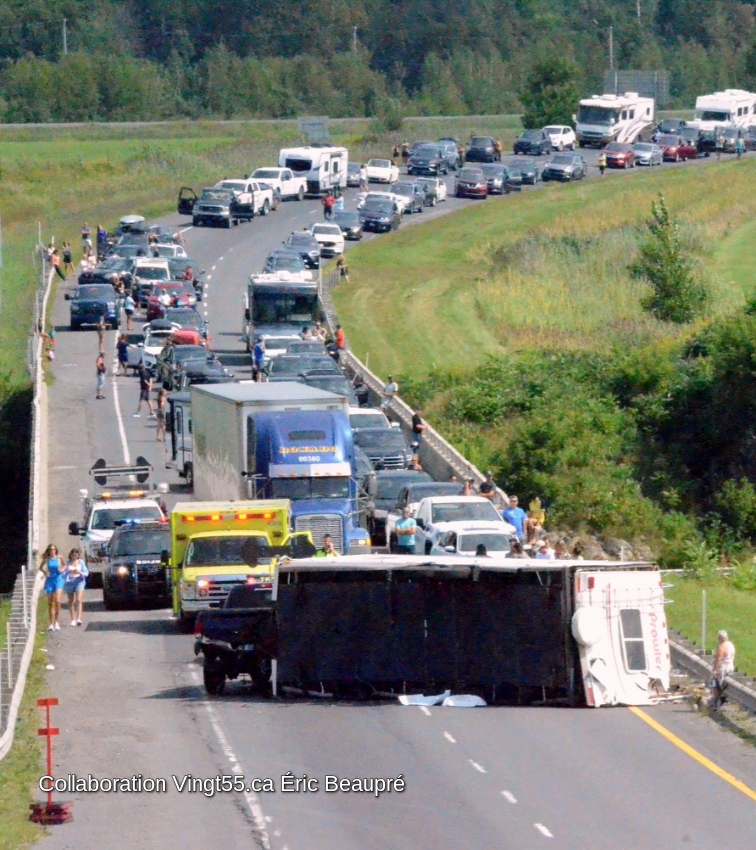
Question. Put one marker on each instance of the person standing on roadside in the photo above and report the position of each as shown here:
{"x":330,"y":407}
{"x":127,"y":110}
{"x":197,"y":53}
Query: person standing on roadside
{"x":740,"y":146}
{"x":101,"y":334}
{"x":418,"y":426}
{"x":724,"y":666}
{"x":602,"y":163}
{"x":145,"y":387}
{"x":406,"y":528}
{"x":86,"y":239}
{"x":160,"y":429}
{"x":343,"y":269}
{"x":390,"y":389}
{"x":129,"y":306}
{"x":488,"y":488}
{"x":75,"y":580}
{"x":517,"y":517}
{"x":102,"y":241}
{"x":53,"y":568}
{"x":328,"y":204}
{"x":68,"y":266}
{"x":122,"y":347}
{"x":328,"y":550}
{"x":101,"y":369}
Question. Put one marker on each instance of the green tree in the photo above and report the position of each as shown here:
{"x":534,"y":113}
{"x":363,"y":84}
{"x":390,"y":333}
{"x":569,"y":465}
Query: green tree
{"x":551,"y":93}
{"x":677,"y":296}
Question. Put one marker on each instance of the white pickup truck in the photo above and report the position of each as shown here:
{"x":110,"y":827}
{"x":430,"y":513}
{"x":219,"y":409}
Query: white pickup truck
{"x":251,"y":197}
{"x":434,"y":514}
{"x":283,"y":181}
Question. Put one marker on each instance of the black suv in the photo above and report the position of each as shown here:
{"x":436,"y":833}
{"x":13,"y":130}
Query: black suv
{"x":307,"y":246}
{"x":134,"y":573}
{"x":427,"y":159}
{"x":533,"y":142}
{"x":481,"y":149}
{"x":91,"y":302}
{"x":380,"y":216}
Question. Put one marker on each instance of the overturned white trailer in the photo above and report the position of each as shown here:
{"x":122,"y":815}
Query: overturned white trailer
{"x":508,"y":630}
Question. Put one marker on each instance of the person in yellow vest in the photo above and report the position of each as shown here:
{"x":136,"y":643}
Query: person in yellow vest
{"x":328,"y":550}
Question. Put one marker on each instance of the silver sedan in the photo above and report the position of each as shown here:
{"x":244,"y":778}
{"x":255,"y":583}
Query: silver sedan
{"x":647,"y":153}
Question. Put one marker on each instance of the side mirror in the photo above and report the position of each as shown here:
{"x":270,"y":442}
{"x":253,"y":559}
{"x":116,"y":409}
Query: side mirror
{"x":372,"y":485}
{"x":165,"y":558}
{"x":73,"y":528}
{"x":420,"y":523}
{"x":67,"y":296}
{"x":449,"y":549}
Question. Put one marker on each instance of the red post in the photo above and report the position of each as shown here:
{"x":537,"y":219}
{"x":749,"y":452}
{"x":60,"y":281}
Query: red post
{"x":50,"y":813}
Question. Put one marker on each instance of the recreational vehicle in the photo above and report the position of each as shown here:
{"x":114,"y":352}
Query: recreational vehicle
{"x":324,"y":168}
{"x":728,"y":108}
{"x":605,"y":118}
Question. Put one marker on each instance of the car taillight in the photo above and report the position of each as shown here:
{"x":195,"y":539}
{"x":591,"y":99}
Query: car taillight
{"x":197,"y":628}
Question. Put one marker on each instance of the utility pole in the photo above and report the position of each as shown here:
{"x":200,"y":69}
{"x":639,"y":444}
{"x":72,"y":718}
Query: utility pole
{"x":65,"y":38}
{"x":354,"y":39}
{"x":637,"y":9}
{"x":611,"y":48}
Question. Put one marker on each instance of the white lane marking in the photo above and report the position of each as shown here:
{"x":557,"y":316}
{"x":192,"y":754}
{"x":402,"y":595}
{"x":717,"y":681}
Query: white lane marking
{"x":425,"y":710}
{"x":509,"y":797}
{"x":187,"y":229}
{"x":209,"y":277}
{"x":251,"y":798}
{"x":65,"y":467}
{"x":219,"y":259}
{"x":117,"y":406}
{"x":542,"y":829}
{"x":449,"y":738}
{"x":477,"y":766}
{"x":213,"y":268}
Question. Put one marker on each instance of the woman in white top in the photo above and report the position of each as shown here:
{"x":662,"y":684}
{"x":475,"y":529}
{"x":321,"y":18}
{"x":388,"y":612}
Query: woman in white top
{"x":75,"y":579}
{"x":724,"y":664}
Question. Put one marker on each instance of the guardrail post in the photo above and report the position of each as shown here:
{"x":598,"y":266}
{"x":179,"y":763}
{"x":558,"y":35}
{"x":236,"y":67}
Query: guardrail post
{"x":703,"y":621}
{"x":24,"y":597}
{"x":10,"y":658}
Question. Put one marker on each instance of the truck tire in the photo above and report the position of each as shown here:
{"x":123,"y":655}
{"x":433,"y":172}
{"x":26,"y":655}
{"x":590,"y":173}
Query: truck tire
{"x":214,"y":679}
{"x":185,"y":622}
{"x":195,"y":222}
{"x":227,"y":224}
{"x":265,"y":208}
{"x":301,"y":193}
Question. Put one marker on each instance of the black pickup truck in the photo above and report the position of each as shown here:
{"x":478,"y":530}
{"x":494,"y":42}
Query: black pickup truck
{"x":237,"y":638}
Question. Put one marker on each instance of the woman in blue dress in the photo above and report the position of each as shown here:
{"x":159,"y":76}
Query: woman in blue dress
{"x":53,"y":567}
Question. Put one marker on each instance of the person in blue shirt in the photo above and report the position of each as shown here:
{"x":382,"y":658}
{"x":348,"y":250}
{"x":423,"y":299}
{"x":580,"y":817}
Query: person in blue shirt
{"x":517,"y":517}
{"x":258,"y":357}
{"x":53,"y":568}
{"x":406,"y":528}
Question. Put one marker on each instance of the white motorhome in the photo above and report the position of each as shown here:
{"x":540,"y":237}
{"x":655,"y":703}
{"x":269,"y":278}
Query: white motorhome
{"x":728,"y":108}
{"x":605,"y":118}
{"x":324,"y":168}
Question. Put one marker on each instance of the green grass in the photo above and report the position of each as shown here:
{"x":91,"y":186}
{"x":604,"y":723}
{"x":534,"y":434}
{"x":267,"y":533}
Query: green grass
{"x":538,"y":270}
{"x":726,"y":608}
{"x":733,"y":259}
{"x":5,"y":610}
{"x":21,"y":768}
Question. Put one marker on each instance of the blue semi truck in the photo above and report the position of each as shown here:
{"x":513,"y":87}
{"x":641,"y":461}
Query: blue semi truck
{"x":279,"y":441}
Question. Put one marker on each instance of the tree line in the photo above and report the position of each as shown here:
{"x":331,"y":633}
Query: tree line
{"x":67,"y":60}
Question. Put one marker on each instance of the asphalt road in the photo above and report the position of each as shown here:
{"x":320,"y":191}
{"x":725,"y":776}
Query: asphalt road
{"x":131,"y":700}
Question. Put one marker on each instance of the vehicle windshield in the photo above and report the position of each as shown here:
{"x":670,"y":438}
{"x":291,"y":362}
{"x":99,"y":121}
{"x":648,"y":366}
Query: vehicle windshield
{"x":531,"y":134}
{"x":152,"y":273}
{"x":492,"y":541}
{"x":346,"y":218}
{"x":283,"y":365}
{"x":367,"y":420}
{"x":329,"y":229}
{"x":493,"y":170}
{"x":596,"y":115}
{"x":105,"y":519}
{"x":643,"y":147}
{"x":309,"y":488}
{"x":427,"y":151}
{"x":403,"y":189}
{"x":471,"y":174}
{"x":481,"y":142}
{"x":390,"y":488}
{"x":561,"y":159}
{"x":423,"y":491}
{"x":553,"y":131}
{"x":669,"y":140}
{"x":269,"y":173}
{"x":303,"y":240}
{"x":270,"y":308}
{"x":100,"y":292}
{"x":381,"y":207}
{"x":353,"y":168}
{"x":233,"y":185}
{"x":190,"y":352}
{"x":428,"y":182}
{"x":713,"y":115}
{"x":464,"y":510}
{"x":336,"y":384}
{"x":379,"y":163}
{"x":227,"y":551}
{"x":390,"y":438}
{"x":186,"y":317}
{"x":216,"y":195}
{"x":284,"y":263}
{"x":617,"y":146}
{"x":730,"y":132}
{"x":145,"y":541}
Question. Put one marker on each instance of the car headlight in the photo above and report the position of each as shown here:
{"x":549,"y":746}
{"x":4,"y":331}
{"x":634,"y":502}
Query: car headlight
{"x":363,"y":541}
{"x":75,"y":308}
{"x":123,"y":570}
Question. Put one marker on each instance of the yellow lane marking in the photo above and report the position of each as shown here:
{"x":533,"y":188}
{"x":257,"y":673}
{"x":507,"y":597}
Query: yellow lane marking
{"x":694,"y":754}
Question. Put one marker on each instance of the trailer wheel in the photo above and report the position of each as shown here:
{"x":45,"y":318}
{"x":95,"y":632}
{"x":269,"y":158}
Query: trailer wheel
{"x":215,"y":679}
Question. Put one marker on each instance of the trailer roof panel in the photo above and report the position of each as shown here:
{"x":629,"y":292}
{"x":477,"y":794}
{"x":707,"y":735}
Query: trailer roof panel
{"x":245,"y":391}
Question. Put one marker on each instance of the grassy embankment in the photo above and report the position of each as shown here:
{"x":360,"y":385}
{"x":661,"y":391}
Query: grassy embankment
{"x":549,"y":270}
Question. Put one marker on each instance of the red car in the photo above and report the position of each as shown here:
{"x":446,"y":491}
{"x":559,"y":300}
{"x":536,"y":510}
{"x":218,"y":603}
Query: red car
{"x":471,"y":183}
{"x":167,"y":294}
{"x":676,"y":148}
{"x":619,"y":155}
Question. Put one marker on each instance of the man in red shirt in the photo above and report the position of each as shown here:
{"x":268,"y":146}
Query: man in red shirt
{"x":340,"y":337}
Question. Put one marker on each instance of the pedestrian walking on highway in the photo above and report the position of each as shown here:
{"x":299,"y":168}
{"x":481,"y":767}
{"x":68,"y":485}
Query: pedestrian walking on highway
{"x":343,"y":269}
{"x":498,"y":149}
{"x":602,"y":163}
{"x":724,"y":666}
{"x":102,"y":241}
{"x":740,"y":146}
{"x":122,"y":347}
{"x":328,"y":204}
{"x":86,"y":239}
{"x":258,"y":359}
{"x":53,"y":568}
{"x":101,"y":369}
{"x":129,"y":306}
{"x":406,"y":528}
{"x":75,"y":580}
{"x":55,"y":260}
{"x":160,"y":414}
{"x":101,"y":334}
{"x":68,"y":266}
{"x":145,"y":387}
{"x":364,"y":174}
